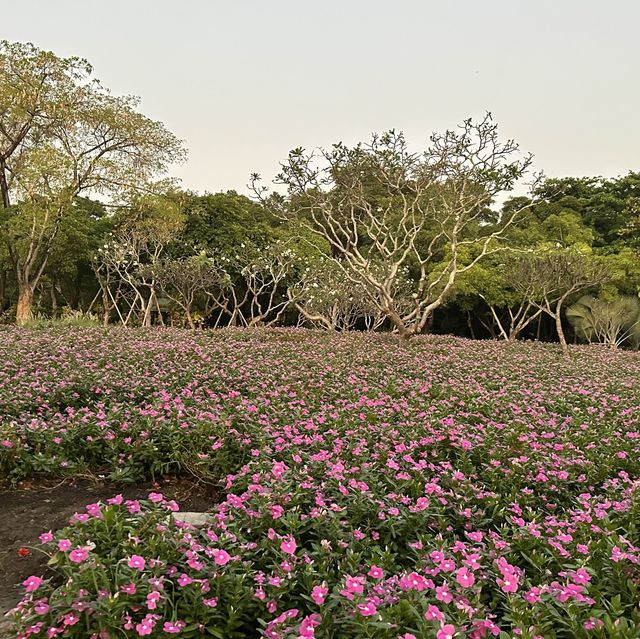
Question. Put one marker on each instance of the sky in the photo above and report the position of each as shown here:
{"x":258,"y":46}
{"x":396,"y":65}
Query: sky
{"x":244,"y":81}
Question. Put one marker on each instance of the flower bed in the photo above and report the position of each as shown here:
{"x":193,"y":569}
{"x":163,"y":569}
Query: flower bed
{"x":444,"y":489}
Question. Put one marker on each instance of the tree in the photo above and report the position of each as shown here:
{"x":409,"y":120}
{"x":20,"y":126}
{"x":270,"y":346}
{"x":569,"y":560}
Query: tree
{"x":384,"y":209}
{"x":510,"y":312}
{"x":218,"y":223}
{"x":609,"y":322}
{"x":189,"y":280}
{"x":610,"y":207}
{"x":548,"y":279}
{"x":126,"y":266}
{"x":63,"y":134}
{"x":326,"y":298}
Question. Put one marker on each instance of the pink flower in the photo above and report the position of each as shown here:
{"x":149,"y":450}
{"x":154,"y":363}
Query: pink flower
{"x":32,"y":583}
{"x":277,"y":511}
{"x":70,"y":619}
{"x":93,"y":509}
{"x":446,"y":632}
{"x":152,"y":599}
{"x":129,"y":589}
{"x":221,"y":557}
{"x":532,"y":596}
{"x":173,"y":628}
{"x":133,"y":506}
{"x":137,"y":562}
{"x":46,"y":537}
{"x":278,"y":469}
{"x":354,"y":584}
{"x":212,"y":602}
{"x":41,"y":607}
{"x":444,"y":594}
{"x":78,"y":555}
{"x":433,"y":613}
{"x":184,"y":580}
{"x":465,"y":578}
{"x":375,"y":572}
{"x":367,"y":609}
{"x":288,"y":546}
{"x":509,"y":583}
{"x":581,"y":576}
{"x":64,"y":545}
{"x":156,"y":498}
{"x":318,"y":594}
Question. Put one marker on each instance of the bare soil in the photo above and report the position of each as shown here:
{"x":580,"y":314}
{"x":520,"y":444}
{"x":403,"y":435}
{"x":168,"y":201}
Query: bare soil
{"x":30,"y":510}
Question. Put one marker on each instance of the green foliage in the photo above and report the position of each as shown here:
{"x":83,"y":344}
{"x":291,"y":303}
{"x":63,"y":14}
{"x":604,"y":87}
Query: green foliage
{"x":611,"y":322}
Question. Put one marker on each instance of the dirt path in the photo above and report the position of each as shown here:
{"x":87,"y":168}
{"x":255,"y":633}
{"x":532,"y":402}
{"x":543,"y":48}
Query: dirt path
{"x":27,"y":512}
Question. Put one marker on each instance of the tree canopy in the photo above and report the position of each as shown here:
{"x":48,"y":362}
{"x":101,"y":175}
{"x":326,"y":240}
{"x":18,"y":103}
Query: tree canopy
{"x":371,"y":236}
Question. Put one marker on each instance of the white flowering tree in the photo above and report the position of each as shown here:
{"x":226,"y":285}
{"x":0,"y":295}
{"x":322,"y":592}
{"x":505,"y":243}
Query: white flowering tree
{"x":249,"y":288}
{"x":325,"y":297}
{"x":127,"y":266}
{"x":385,"y":210}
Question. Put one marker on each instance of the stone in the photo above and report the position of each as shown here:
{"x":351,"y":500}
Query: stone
{"x":193,"y":518}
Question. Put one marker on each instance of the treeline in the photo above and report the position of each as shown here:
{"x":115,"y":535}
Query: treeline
{"x":368,"y":237}
{"x":184,"y":259}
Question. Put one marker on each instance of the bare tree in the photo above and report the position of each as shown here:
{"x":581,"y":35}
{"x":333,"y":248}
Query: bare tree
{"x":518,"y":318}
{"x":250,"y":287}
{"x":384,"y":209}
{"x":547,"y":280}
{"x":265,"y":276}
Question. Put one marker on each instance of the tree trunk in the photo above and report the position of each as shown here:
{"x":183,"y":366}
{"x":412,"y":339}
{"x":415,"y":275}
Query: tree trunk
{"x":190,"y":321}
{"x":560,"y":331}
{"x":3,"y":289}
{"x":25,"y":304}
{"x":54,"y":302}
{"x":106,"y":306}
{"x":146,"y":319}
{"x":470,"y":325}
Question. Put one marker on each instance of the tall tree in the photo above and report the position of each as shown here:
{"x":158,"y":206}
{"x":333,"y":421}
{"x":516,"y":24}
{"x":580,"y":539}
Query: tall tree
{"x":384,"y":209}
{"x":63,"y":134}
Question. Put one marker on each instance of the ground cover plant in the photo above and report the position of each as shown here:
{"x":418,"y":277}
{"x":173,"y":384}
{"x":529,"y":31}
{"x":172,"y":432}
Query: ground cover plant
{"x":442,"y":488}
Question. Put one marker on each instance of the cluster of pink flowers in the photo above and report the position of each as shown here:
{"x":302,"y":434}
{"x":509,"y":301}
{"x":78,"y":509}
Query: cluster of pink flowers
{"x":449,"y":489}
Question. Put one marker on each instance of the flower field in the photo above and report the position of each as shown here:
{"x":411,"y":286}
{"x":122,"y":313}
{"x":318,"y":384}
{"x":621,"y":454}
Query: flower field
{"x":446,"y":488}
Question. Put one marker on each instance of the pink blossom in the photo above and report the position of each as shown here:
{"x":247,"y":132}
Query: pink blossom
{"x":78,"y":555}
{"x":288,"y":546}
{"x":64,"y":545}
{"x":319,"y":593}
{"x":173,"y":627}
{"x":32,"y":583}
{"x":221,"y":557}
{"x":367,"y":609}
{"x":465,"y":578}
{"x":137,"y":562}
{"x":446,"y":632}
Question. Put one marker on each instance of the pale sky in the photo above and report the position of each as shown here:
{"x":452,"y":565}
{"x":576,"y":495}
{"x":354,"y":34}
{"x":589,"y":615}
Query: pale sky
{"x":244,"y":81}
